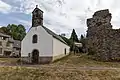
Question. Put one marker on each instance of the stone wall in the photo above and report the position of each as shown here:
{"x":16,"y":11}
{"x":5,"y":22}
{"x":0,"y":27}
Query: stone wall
{"x":103,"y":41}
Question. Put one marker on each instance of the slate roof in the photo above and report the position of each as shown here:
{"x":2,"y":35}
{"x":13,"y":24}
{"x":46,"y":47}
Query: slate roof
{"x":11,"y":40}
{"x":54,"y":35}
{"x":17,"y":44}
{"x":4,"y":35}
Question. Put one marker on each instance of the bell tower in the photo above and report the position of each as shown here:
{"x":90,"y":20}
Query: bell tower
{"x":37,"y":17}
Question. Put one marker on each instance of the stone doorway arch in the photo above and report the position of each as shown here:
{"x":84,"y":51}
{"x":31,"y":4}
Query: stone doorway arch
{"x":35,"y":56}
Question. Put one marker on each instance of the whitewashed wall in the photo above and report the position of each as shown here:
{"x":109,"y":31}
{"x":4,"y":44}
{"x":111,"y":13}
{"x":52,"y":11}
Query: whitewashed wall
{"x":44,"y":44}
{"x":59,"y":48}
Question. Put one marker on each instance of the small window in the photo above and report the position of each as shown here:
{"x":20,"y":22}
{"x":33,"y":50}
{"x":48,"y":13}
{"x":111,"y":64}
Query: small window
{"x":8,"y":44}
{"x":3,"y":38}
{"x":0,"y":50}
{"x":34,"y":38}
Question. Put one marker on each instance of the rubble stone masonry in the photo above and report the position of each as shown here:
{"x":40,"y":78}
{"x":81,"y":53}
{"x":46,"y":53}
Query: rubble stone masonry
{"x":102,"y":41}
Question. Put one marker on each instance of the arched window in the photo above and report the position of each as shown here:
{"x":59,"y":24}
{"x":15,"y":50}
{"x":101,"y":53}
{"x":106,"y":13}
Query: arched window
{"x":34,"y":40}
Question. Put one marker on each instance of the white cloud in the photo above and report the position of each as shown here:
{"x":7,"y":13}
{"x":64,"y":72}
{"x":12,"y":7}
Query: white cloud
{"x":63,"y":15}
{"x":4,"y":7}
{"x":25,"y":22}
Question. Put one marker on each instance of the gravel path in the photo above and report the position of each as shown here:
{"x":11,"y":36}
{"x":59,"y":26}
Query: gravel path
{"x":61,"y":67}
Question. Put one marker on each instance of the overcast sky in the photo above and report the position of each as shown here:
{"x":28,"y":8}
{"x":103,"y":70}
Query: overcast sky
{"x":61,"y":16}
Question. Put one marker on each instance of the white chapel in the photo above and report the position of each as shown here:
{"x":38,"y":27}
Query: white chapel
{"x":41,"y":45}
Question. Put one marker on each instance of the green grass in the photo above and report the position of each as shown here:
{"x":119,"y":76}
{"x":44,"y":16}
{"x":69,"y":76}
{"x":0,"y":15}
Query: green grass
{"x":66,"y":68}
{"x":84,"y":60}
{"x":21,"y":73}
{"x":10,"y":60}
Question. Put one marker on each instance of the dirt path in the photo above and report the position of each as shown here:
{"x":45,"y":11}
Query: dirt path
{"x":62,"y":68}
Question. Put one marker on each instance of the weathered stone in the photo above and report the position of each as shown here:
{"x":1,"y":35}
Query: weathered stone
{"x":101,"y":38}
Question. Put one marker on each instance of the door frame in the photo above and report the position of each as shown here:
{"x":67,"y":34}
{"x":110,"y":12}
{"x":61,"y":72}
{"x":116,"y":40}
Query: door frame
{"x":35,"y":56}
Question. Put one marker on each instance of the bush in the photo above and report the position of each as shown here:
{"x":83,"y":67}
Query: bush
{"x":91,"y":51}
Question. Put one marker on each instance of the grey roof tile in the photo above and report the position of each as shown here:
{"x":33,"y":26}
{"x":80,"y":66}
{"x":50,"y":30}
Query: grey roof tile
{"x":17,"y":44}
{"x":54,"y":35}
{"x":4,"y":35}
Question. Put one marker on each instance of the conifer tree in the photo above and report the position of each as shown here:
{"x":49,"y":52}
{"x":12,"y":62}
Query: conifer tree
{"x":74,"y":37}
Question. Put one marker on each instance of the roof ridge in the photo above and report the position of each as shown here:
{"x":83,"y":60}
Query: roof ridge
{"x":54,"y":35}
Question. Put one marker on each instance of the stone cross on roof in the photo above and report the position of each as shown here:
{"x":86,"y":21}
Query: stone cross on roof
{"x":36,"y":6}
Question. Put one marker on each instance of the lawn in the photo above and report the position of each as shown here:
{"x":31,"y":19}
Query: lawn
{"x":71,"y":67}
{"x":22,"y":73}
{"x":84,"y":60}
{"x":9,"y":61}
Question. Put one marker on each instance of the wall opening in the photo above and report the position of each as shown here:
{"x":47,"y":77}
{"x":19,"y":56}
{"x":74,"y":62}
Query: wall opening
{"x":35,"y":38}
{"x":35,"y":56}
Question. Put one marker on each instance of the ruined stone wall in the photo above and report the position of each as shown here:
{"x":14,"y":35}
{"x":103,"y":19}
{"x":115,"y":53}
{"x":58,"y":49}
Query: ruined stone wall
{"x":103,"y":41}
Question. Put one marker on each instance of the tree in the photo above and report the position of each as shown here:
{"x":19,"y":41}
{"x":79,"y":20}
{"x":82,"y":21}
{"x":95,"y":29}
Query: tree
{"x":4,"y":30}
{"x":83,"y":41}
{"x":22,"y":31}
{"x":74,"y":37}
{"x":82,"y":37}
{"x":18,"y":32}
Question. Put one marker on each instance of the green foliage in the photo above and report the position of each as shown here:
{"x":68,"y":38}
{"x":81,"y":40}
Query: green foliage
{"x":74,"y":37}
{"x":65,"y":39}
{"x":18,"y":32}
{"x":4,"y":30}
{"x":82,"y":37}
{"x":22,"y":31}
{"x":83,"y":41}
{"x":68,"y":41}
{"x":91,"y":51}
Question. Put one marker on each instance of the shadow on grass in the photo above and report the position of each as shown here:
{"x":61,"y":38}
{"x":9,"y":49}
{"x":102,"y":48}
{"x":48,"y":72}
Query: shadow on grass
{"x":63,"y":58}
